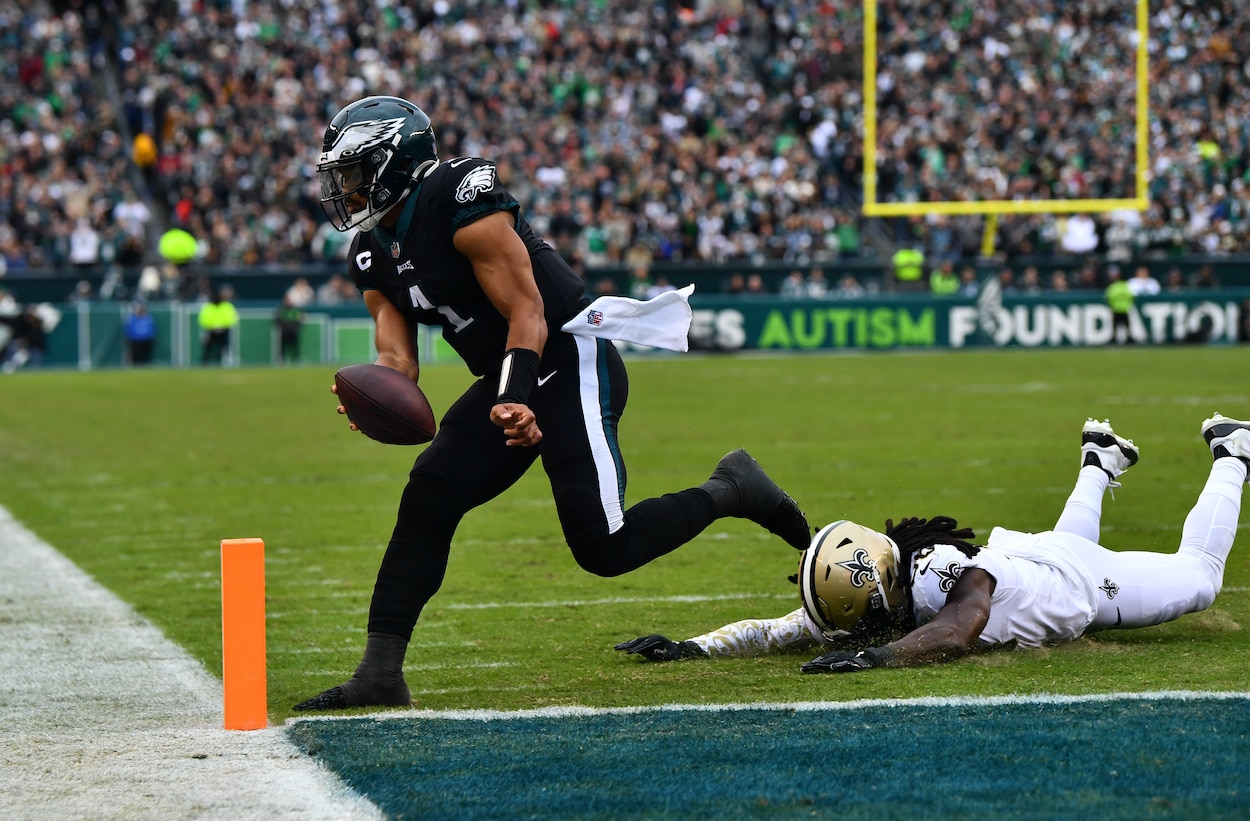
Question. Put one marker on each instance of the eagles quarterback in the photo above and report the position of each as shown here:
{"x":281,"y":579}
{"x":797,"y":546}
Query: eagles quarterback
{"x":444,"y":243}
{"x":921,"y":593}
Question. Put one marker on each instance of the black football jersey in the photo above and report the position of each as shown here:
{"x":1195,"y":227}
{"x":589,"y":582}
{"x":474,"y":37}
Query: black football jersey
{"x":419,"y":270}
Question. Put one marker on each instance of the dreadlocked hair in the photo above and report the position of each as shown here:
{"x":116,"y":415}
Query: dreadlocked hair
{"x":916,"y":535}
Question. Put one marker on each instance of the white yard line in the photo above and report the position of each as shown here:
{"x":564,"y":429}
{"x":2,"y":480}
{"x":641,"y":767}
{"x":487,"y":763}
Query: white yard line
{"x":794,"y":706}
{"x":102,"y":717}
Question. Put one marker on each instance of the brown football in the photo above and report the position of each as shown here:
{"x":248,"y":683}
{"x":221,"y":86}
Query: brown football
{"x":385,"y":404}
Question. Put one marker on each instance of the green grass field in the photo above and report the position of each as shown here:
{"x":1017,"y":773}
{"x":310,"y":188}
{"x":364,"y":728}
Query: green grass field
{"x":137,"y":476}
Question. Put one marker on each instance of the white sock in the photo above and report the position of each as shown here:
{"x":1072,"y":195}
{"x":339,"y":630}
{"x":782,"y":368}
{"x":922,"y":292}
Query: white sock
{"x":1212,"y":523}
{"x":1082,"y":513}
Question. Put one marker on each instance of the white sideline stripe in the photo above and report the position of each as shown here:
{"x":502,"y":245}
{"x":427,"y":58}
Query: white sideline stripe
{"x":102,"y":717}
{"x":797,"y":706}
{"x":488,"y":605}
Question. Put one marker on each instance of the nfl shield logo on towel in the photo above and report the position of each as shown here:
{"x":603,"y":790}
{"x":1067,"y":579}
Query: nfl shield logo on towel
{"x":595,"y":318}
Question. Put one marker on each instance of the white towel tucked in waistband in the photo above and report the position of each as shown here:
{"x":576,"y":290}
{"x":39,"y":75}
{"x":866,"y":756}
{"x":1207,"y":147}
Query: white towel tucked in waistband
{"x":661,"y":322}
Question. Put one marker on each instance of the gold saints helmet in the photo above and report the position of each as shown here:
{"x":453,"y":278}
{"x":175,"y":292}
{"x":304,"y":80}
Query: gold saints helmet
{"x":850,"y":583}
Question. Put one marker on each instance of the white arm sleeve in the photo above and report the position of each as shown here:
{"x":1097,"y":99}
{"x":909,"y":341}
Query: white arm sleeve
{"x":755,"y":637}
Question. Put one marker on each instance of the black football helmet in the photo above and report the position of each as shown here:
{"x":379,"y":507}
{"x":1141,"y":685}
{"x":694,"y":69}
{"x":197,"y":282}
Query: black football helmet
{"x":374,"y":152}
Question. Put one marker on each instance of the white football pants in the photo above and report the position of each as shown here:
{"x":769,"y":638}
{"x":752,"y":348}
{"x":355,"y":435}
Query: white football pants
{"x":1140,"y":588}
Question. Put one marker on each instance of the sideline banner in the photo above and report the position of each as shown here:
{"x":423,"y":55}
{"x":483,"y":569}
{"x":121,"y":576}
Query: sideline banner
{"x":881,"y":323}
{"x":89,"y":335}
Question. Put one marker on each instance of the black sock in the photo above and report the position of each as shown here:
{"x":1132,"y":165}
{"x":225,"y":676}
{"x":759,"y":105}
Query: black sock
{"x":725,"y":496}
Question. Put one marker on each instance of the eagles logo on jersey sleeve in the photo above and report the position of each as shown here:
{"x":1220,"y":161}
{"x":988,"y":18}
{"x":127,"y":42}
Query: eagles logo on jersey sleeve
{"x":466,"y":189}
{"x":478,"y":180}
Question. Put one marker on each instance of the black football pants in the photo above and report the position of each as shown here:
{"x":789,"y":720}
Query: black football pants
{"x":582,"y":393}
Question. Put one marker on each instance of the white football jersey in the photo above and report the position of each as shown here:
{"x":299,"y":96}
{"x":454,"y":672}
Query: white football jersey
{"x":1042,"y":592}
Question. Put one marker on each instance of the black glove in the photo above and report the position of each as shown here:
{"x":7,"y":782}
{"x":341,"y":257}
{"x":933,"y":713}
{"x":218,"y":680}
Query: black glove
{"x":657,"y":648}
{"x":840,"y":661}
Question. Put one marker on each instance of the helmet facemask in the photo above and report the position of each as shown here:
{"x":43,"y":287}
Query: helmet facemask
{"x":851,"y":585}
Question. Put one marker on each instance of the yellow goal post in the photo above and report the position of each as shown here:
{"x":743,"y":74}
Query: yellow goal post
{"x":993,"y":208}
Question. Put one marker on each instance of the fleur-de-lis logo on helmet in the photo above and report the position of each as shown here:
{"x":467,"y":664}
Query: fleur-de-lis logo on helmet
{"x":849,"y":579}
{"x":861,"y":569}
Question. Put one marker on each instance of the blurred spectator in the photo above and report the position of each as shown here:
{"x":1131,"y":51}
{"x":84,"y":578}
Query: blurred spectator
{"x":907,"y":269}
{"x":592,"y":241}
{"x":1080,"y":235}
{"x":1175,"y":280}
{"x":628,"y":112}
{"x":816,"y":286}
{"x":289,"y":320}
{"x":640,"y":282}
{"x":736,"y":286}
{"x":132,"y":214}
{"x":149,"y":285}
{"x":1087,"y":277}
{"x":848,"y":288}
{"x":755,"y":286}
{"x":331,"y":245}
{"x":84,"y":245}
{"x":330,"y":292}
{"x":1030,"y":280}
{"x":794,"y":286}
{"x":1119,"y":298}
{"x":1058,"y":281}
{"x":217,"y":317}
{"x":1142,"y":283}
{"x":83,"y":292}
{"x":301,"y":293}
{"x":660,"y":286}
{"x":1119,"y":233}
{"x":969,"y":286}
{"x":943,"y":281}
{"x":846,"y":232}
{"x":140,"y":332}
{"x":1007,"y":281}
{"x":349,"y":290}
{"x":1205,"y":278}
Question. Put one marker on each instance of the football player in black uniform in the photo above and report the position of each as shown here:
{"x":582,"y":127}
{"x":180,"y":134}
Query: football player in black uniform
{"x":443,"y":243}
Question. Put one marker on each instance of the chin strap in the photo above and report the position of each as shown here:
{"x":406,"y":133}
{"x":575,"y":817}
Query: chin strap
{"x":422,"y":171}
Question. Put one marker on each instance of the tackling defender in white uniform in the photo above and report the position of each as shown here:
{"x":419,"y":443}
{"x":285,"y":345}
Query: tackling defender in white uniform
{"x":938,"y":596}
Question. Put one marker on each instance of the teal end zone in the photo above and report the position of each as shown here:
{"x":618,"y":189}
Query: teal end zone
{"x":1128,"y":758}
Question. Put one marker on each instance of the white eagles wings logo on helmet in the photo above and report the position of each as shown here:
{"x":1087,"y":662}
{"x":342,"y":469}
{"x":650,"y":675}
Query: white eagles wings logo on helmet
{"x":476,"y":181}
{"x":368,"y":133}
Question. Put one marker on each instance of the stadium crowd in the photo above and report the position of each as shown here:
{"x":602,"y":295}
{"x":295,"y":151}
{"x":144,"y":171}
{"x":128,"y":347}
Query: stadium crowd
{"x":722,"y":130}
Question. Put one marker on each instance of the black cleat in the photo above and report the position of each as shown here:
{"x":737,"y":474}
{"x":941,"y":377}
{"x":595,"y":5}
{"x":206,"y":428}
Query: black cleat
{"x":357,"y":693}
{"x":741,"y":488}
{"x":331,"y":699}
